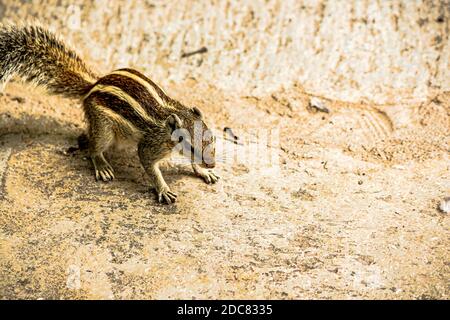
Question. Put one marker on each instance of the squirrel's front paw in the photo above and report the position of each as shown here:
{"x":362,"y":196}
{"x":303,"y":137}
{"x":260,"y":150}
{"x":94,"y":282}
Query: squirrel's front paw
{"x":164,"y":194}
{"x":208,"y":175}
{"x":105,"y":173}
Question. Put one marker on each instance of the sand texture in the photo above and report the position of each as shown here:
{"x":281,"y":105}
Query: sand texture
{"x":349,"y":210}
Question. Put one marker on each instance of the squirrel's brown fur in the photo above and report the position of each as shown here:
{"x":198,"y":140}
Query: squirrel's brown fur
{"x":122,"y":105}
{"x":38,"y":56}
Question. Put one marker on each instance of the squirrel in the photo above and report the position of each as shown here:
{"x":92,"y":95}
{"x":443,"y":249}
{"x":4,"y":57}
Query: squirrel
{"x":123,"y":105}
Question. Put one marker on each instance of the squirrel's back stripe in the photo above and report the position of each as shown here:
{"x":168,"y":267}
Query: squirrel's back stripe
{"x":117,"y":109}
{"x":124,"y":124}
{"x":120,"y":93}
{"x":139,"y":92}
{"x":142,"y":76}
{"x":154,"y":90}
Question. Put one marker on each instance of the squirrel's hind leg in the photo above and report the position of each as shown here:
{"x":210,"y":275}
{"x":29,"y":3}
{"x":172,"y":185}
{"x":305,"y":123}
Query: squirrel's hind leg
{"x":100,"y":137}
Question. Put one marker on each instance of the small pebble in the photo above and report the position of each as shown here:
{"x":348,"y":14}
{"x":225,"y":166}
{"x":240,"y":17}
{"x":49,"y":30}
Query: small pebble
{"x":18,"y":99}
{"x":318,"y":105}
{"x":71,"y":150}
{"x":444,"y":206}
{"x":229,"y":131}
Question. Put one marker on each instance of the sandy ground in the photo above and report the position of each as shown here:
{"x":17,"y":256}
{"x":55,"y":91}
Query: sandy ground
{"x":353,"y":50}
{"x":350,"y":210}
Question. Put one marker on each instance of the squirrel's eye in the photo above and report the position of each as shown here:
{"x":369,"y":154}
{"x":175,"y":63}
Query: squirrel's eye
{"x":180,"y":139}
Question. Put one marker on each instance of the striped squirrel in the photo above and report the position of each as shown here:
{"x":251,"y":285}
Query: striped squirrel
{"x":123,"y":105}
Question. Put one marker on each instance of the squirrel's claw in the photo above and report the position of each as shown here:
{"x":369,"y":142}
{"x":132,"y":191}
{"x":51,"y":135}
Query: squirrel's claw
{"x":103,"y":171}
{"x":209,"y":176}
{"x":166,"y":195}
{"x":214,"y":177}
{"x":105,"y":174}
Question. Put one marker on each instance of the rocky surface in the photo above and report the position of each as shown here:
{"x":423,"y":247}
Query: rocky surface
{"x":349,"y":210}
{"x":376,"y":51}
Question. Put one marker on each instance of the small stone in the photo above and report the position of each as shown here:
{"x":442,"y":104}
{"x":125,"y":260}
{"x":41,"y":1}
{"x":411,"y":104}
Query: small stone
{"x":444,"y":206}
{"x":303,"y":195}
{"x":70,"y":150}
{"x":18,"y":99}
{"x":318,"y":105}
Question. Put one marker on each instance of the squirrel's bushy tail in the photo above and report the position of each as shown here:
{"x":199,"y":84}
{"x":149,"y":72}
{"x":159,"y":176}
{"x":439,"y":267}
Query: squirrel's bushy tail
{"x":38,"y":56}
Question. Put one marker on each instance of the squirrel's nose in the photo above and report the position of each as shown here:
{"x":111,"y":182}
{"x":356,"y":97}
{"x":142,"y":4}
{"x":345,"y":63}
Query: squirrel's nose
{"x":209,"y":164}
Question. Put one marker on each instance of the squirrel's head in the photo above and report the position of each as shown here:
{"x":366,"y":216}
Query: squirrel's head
{"x":196,"y":139}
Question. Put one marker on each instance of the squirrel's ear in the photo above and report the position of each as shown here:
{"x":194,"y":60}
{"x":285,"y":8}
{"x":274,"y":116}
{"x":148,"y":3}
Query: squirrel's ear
{"x":173,"y":122}
{"x":197,"y":112}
